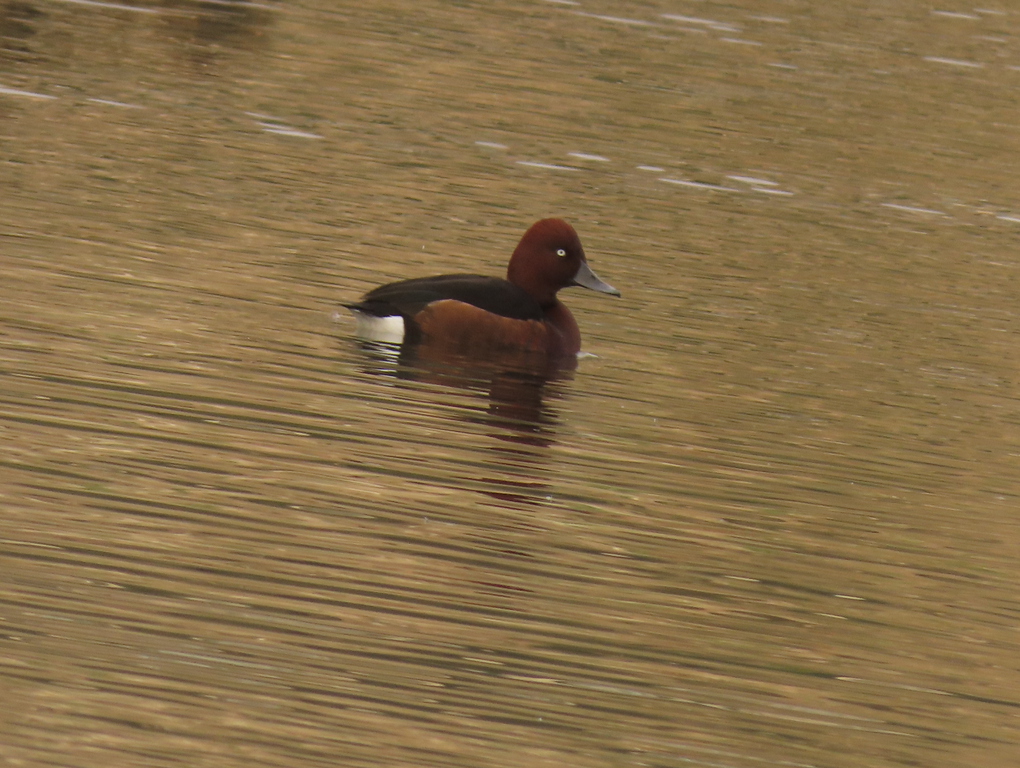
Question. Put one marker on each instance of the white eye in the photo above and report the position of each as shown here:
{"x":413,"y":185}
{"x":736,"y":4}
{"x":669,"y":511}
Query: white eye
{"x":561,"y":252}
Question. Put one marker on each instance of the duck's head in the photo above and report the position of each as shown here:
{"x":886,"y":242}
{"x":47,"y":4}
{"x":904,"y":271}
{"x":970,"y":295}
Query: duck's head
{"x":550,"y":257}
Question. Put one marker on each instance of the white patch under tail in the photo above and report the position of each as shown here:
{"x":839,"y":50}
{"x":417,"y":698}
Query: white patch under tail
{"x":388,"y":330}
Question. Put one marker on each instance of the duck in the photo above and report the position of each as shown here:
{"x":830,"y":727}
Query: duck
{"x":474,"y":314}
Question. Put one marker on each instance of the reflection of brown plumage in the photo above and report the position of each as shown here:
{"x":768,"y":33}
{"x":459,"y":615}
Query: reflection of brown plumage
{"x":515,"y":383}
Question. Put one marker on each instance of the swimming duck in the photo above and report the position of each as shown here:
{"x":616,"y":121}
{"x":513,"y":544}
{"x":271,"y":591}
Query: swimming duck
{"x":478,"y":313}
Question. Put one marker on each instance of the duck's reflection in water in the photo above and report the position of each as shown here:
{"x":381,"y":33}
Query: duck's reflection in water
{"x":517,"y":390}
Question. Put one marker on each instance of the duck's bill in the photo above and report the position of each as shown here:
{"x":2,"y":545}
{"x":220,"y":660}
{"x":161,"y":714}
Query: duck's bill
{"x":588,"y":279}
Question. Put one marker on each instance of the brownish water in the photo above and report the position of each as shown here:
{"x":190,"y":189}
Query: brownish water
{"x":773,"y":523}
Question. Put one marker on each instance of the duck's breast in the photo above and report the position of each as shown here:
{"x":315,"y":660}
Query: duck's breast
{"x":470,"y":329}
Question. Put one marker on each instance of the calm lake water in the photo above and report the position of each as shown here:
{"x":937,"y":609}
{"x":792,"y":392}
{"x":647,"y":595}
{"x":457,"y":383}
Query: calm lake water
{"x":772,"y":521}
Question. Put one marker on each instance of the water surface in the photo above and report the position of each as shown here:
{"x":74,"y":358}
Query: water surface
{"x":771,"y":522}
